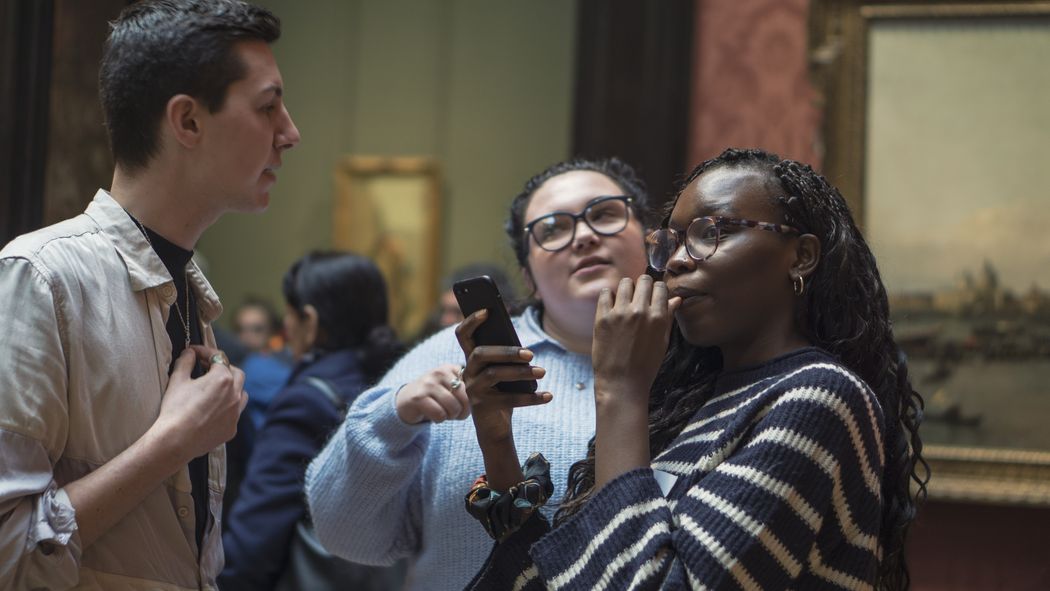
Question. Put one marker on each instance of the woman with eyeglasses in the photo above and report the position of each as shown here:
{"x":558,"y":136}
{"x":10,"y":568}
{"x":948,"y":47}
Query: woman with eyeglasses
{"x":772,"y":447}
{"x":389,"y":483}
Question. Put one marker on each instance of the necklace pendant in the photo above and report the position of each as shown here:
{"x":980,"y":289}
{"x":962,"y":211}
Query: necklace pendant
{"x":183,"y":319}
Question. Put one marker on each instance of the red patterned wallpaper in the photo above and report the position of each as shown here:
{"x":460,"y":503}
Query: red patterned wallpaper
{"x":750,"y":83}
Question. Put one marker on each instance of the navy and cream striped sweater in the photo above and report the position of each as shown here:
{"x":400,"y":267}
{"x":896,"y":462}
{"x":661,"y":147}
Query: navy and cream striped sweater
{"x":778,"y":486}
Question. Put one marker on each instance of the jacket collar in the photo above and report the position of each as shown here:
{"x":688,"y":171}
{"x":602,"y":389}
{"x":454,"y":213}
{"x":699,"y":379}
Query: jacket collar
{"x":145,"y":269}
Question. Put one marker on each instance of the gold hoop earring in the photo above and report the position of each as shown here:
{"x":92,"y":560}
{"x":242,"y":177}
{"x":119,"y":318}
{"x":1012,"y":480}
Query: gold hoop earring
{"x":798,"y":284}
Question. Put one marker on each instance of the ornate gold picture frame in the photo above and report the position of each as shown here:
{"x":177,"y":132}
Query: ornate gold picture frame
{"x":976,"y":328}
{"x":389,"y":209}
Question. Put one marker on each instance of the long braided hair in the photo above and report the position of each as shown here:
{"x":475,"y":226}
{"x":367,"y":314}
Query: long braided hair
{"x":845,"y":312}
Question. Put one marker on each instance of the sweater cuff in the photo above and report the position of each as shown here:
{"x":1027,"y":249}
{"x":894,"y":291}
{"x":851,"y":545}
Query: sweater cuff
{"x":380,"y":409}
{"x":579,"y":535}
{"x":509,"y":560}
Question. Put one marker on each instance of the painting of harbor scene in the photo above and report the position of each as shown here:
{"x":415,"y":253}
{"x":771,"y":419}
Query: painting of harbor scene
{"x":956,"y":210}
{"x":968,"y":279}
{"x":980,"y":355}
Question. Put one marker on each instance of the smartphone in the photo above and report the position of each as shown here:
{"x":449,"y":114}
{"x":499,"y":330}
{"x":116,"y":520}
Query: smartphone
{"x":479,"y":293}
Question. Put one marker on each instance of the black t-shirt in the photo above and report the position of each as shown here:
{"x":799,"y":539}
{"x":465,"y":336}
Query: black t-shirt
{"x":175,"y":259}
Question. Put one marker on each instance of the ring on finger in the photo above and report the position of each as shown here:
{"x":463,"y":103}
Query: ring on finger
{"x":456,"y":383}
{"x":219,"y":359}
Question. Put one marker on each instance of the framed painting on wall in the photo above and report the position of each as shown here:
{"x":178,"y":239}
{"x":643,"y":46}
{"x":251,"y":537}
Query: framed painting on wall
{"x":935,"y":130}
{"x":389,"y":209}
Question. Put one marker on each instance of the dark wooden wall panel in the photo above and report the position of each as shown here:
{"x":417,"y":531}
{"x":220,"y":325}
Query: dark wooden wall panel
{"x":25,"y":76}
{"x":632,"y":86}
{"x":78,"y":156}
{"x":53,"y":146}
{"x":973,"y":547}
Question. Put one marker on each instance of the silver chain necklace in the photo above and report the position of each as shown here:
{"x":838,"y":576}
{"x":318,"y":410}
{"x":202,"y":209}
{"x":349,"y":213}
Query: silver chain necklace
{"x":184,"y":319}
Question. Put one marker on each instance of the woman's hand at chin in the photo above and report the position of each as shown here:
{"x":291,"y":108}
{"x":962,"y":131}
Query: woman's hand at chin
{"x":631,"y":332}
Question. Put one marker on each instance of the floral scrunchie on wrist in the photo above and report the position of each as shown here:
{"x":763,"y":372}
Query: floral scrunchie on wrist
{"x":503,"y":513}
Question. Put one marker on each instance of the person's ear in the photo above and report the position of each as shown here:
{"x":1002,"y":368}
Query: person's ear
{"x":311,"y":326}
{"x":807,"y":256}
{"x":182,"y":118}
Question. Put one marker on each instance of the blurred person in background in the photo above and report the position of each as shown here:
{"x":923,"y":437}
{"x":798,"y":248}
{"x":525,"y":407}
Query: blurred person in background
{"x":447,"y":312}
{"x":336,"y":323}
{"x":257,"y":325}
{"x":267,"y":364}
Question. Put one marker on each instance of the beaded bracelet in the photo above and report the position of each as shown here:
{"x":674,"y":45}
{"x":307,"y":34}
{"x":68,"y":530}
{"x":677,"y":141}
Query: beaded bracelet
{"x":503,"y":513}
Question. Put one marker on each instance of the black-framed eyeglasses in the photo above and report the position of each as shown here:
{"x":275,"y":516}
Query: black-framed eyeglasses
{"x":702,"y":238}
{"x":606,"y":215}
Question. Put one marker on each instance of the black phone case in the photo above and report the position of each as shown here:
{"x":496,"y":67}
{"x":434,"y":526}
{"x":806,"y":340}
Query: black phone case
{"x":481,"y":293}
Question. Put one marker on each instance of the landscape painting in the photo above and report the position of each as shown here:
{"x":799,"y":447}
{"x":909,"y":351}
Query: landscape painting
{"x":957,"y":210}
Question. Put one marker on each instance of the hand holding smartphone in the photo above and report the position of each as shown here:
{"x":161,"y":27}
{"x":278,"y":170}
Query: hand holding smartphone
{"x":480,"y":293}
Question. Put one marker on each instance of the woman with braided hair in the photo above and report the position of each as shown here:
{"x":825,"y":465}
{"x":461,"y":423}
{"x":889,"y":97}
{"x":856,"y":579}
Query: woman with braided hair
{"x":774,"y":445}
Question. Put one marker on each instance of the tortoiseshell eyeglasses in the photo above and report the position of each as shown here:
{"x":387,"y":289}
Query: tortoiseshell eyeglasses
{"x":702,"y":237}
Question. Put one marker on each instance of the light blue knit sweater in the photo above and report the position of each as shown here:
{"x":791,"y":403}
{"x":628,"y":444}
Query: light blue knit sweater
{"x":382,"y":489}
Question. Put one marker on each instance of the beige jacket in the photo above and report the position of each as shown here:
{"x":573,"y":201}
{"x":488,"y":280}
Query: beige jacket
{"x":84,"y":360}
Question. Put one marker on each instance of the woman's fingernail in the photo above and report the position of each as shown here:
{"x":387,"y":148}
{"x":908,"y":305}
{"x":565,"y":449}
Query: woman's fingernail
{"x":525,"y":354}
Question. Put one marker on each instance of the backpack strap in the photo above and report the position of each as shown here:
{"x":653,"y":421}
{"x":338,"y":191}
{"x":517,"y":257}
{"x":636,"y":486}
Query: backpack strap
{"x":326,"y":388}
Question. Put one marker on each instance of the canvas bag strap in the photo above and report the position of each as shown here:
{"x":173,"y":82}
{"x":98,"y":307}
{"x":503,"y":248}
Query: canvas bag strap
{"x":326,"y":388}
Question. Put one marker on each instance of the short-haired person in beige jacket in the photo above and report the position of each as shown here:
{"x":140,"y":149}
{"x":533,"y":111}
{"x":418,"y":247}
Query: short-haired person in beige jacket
{"x":115,"y":404}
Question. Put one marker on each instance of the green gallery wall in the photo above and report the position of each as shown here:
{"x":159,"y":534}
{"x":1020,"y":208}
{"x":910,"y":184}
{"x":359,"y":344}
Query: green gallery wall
{"x":484,"y":88}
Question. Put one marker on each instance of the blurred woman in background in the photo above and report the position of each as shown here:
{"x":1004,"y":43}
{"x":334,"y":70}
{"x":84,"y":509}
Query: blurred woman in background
{"x":336,"y":320}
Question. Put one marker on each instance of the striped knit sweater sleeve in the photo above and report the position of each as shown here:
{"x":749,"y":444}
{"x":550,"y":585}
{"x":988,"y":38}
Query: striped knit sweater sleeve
{"x":778,"y":486}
